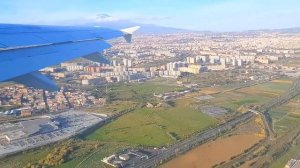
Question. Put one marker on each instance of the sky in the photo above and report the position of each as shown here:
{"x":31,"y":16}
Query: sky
{"x":211,"y":15}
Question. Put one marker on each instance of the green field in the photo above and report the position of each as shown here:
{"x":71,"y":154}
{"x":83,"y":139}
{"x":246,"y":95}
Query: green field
{"x":141,"y":92}
{"x":85,"y":155}
{"x":154,"y":127}
{"x":293,"y":152}
{"x":253,"y":95}
{"x":21,"y":160}
{"x":94,"y":158}
{"x":286,"y":117}
{"x":151,"y":127}
{"x":113,"y":108}
{"x":143,"y":127}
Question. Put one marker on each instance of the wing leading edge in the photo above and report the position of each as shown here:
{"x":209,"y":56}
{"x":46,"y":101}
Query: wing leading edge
{"x":26,"y":49}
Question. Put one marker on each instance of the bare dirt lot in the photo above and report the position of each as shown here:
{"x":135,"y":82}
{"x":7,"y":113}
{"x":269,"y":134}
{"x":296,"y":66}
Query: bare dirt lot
{"x":214,"y":152}
{"x":222,"y":149}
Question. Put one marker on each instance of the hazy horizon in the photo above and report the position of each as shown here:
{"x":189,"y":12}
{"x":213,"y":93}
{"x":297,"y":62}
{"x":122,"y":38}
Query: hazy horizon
{"x":204,"y":15}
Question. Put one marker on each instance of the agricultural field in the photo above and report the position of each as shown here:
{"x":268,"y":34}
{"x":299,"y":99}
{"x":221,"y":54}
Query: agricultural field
{"x":142,"y":92}
{"x":143,"y":127}
{"x":207,"y":155}
{"x":293,"y":152}
{"x":285,"y":119}
{"x":231,"y":145}
{"x":113,"y":108}
{"x":286,"y":116}
{"x":85,"y":154}
{"x":81,"y":150}
{"x":154,"y":127}
{"x":253,"y":95}
{"x":21,"y":160}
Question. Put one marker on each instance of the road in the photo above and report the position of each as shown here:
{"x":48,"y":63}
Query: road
{"x":190,"y":143}
{"x":271,"y":139}
{"x":268,"y":128}
{"x":196,"y":140}
{"x":263,"y":111}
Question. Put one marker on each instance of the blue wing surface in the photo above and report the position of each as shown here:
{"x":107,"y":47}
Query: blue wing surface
{"x":25,"y":49}
{"x":33,"y":59}
{"x":20,"y":35}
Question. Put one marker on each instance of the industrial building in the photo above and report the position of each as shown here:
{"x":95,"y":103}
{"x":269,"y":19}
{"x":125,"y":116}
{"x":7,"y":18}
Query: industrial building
{"x":32,"y":133}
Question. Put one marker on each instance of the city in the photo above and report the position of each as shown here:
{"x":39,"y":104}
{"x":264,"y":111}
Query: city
{"x":225,"y":95}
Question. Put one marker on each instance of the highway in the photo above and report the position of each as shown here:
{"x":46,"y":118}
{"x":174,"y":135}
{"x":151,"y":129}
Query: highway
{"x":263,"y":111}
{"x":271,"y":139}
{"x":188,"y":144}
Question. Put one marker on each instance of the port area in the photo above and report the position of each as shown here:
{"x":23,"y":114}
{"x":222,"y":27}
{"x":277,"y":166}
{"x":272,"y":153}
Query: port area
{"x":33,"y":133}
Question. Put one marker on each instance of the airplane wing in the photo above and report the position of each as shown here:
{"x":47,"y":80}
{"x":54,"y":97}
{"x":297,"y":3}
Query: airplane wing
{"x":25,"y":49}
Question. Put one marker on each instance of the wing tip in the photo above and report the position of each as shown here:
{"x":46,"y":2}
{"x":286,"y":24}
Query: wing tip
{"x":128,"y":32}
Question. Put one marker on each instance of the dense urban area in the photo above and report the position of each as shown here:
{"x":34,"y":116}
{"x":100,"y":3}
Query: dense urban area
{"x":168,"y":100}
